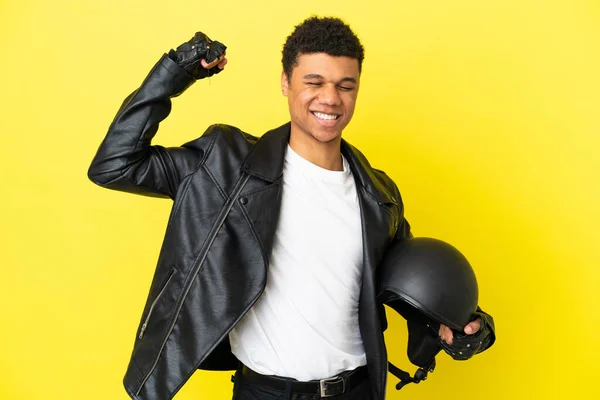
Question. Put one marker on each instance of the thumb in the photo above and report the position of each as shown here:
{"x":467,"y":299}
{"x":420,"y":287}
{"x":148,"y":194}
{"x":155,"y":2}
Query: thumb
{"x":472,"y":327}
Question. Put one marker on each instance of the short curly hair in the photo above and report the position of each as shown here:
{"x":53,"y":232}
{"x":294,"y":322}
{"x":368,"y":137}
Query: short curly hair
{"x":321,"y":35}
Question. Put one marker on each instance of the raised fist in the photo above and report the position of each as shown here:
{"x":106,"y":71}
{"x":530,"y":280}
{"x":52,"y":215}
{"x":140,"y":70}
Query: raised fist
{"x":190,"y":55}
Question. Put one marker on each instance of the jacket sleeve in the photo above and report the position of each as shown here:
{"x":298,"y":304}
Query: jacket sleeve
{"x":126,"y":160}
{"x":488,"y":329}
{"x":403,"y":231}
{"x":487,"y":333}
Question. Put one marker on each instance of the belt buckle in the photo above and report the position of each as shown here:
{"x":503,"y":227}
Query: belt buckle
{"x":328,"y":381}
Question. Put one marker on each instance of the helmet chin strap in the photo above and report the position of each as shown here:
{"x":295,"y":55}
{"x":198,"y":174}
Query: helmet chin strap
{"x":405,"y":377}
{"x":423,"y":346}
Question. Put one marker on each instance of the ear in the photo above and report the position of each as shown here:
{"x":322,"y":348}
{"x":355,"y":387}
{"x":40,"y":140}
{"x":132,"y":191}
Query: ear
{"x":285,"y":84}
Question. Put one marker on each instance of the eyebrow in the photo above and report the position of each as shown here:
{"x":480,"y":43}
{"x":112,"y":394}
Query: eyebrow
{"x":317,"y":76}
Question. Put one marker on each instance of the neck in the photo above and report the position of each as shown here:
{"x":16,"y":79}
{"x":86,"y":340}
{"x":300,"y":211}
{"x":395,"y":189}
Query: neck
{"x":325,"y":155}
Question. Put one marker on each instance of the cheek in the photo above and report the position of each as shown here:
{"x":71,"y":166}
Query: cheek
{"x":349,"y":103}
{"x":302,"y":102}
{"x":307,"y":96}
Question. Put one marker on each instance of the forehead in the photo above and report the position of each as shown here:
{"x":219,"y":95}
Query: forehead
{"x":327,"y":66}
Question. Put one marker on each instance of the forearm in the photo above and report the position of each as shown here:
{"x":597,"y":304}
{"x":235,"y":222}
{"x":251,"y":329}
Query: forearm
{"x":127,"y":143}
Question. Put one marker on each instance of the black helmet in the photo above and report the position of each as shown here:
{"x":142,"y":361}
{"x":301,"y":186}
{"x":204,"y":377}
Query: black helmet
{"x":428,"y":282}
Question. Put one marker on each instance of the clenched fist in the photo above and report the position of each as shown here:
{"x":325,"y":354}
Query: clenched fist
{"x":200,"y":56}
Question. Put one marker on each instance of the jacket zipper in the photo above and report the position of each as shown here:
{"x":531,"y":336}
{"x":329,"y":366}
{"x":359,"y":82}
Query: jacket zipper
{"x":216,"y":228}
{"x":145,"y":324}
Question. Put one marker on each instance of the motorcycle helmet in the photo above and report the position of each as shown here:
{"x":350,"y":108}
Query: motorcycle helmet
{"x":428,"y":282}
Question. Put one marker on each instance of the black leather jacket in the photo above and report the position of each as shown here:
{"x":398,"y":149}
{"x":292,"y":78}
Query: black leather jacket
{"x":226,"y":186}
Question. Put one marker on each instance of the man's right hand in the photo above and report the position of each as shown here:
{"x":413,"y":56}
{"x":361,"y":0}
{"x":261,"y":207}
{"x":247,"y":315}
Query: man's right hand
{"x":200,"y":56}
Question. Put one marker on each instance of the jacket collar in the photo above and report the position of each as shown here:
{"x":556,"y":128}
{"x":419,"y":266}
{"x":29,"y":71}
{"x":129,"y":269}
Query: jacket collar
{"x":266,"y":159}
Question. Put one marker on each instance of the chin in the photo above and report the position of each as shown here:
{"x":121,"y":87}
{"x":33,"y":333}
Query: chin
{"x":327,"y":138}
{"x":326,"y":135}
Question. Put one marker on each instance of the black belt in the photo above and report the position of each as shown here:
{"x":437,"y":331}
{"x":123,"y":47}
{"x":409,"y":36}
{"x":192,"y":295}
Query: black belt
{"x":333,"y":386}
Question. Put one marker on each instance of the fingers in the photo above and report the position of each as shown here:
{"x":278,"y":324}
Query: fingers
{"x":446,"y":334}
{"x":473,"y":326}
{"x":221,"y":61}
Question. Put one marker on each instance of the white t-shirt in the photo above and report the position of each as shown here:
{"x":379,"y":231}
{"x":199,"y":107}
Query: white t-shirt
{"x":305,"y":324}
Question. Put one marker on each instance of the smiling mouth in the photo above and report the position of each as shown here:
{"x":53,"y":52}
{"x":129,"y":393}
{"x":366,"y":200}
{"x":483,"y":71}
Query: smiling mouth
{"x":324,"y":116}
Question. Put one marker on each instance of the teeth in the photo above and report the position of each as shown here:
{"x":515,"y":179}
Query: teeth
{"x":325,"y":116}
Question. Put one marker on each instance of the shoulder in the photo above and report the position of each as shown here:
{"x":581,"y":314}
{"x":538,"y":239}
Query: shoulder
{"x":378,"y":177}
{"x":385,"y":179}
{"x":389,"y":185}
{"x":222,"y":135}
{"x":222,"y":140}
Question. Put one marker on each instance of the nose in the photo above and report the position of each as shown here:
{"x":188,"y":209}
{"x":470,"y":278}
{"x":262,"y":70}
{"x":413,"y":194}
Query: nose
{"x":329,"y":95}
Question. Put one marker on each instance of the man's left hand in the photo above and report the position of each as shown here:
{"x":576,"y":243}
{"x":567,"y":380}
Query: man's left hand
{"x":471,"y":328}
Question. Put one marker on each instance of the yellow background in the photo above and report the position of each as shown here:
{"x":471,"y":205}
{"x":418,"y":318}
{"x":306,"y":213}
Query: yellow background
{"x":486,"y":113}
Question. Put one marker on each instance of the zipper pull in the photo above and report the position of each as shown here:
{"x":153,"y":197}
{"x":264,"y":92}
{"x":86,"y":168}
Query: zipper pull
{"x":143,"y":330}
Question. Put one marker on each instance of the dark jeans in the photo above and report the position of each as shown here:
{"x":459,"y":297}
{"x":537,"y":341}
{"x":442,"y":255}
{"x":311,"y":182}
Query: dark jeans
{"x":243,"y":390}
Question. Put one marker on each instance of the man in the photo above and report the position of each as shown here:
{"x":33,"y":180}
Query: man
{"x":269,"y":258}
